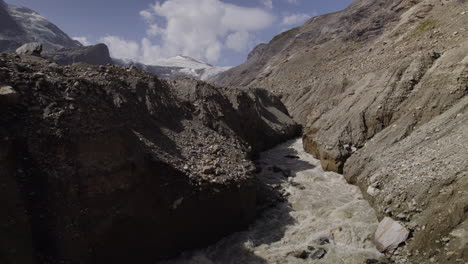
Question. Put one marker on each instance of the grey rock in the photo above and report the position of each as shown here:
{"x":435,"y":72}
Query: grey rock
{"x":323,"y":240}
{"x":96,"y":55}
{"x":389,"y":235}
{"x":318,"y":254}
{"x":33,"y":48}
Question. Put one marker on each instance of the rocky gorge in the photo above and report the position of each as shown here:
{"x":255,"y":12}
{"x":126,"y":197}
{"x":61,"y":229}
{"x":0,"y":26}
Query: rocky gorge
{"x":108,"y":163}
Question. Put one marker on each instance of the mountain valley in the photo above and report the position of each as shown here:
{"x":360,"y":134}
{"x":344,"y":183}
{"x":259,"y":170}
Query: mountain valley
{"x":344,"y":140}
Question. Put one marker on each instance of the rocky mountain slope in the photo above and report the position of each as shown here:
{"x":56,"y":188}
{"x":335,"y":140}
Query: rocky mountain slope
{"x":20,"y":25}
{"x":178,"y":67}
{"x":381,"y":88}
{"x":110,"y":164}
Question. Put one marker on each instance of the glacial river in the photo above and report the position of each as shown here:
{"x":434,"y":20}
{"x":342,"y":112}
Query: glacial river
{"x":323,"y":219}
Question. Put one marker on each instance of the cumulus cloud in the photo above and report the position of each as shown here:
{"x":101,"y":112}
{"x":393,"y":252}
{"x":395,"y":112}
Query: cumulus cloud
{"x":238,"y":41}
{"x":82,"y":40}
{"x":197,"y":28}
{"x":295,"y":19}
{"x":153,"y":30}
{"x":121,"y":48}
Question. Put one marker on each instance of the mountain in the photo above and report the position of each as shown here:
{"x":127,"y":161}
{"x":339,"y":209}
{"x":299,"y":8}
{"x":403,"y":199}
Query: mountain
{"x":20,"y":25}
{"x":381,"y":89}
{"x":178,"y":67}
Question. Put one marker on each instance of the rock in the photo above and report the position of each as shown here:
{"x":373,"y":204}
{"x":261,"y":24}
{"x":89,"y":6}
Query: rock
{"x":209,"y":170}
{"x":318,"y":254}
{"x":33,"y":48}
{"x":297,"y":185}
{"x":8,"y":96}
{"x":372,"y":261}
{"x":372,"y":191}
{"x":96,"y":55}
{"x":302,"y":254}
{"x":291,"y":157}
{"x":323,"y":240}
{"x":389,"y":235}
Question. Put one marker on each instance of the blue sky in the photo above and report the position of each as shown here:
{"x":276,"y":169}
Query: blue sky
{"x":221,"y":32}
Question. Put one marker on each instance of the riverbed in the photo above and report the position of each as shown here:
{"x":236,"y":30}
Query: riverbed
{"x":319,"y":219}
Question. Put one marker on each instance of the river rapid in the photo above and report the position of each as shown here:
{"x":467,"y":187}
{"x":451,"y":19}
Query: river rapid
{"x":321,"y":219}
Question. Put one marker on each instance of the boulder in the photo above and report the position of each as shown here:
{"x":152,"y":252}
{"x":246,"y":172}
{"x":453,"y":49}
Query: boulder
{"x":8,"y":96}
{"x":95,"y":54}
{"x":389,"y":235}
{"x":33,"y":48}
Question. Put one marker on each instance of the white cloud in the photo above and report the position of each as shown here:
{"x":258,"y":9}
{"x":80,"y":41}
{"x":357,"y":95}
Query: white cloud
{"x":295,"y":19}
{"x":121,"y":48}
{"x":201,"y":28}
{"x":295,"y":2}
{"x":82,"y":40}
{"x":268,"y":3}
{"x":153,"y":30}
{"x":238,"y":41}
{"x":149,"y":53}
{"x":147,"y":15}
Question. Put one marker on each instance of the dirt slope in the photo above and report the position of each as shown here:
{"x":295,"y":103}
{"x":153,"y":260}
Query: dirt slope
{"x":371,"y":79}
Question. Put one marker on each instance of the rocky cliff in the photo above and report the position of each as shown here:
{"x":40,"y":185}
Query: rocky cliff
{"x":110,"y":164}
{"x":381,"y":88}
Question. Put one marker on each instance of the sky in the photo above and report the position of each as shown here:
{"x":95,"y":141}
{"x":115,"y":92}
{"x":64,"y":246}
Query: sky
{"x":220,"y":32}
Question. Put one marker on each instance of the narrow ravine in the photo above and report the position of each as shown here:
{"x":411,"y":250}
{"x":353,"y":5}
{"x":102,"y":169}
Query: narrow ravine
{"x":322,"y":220}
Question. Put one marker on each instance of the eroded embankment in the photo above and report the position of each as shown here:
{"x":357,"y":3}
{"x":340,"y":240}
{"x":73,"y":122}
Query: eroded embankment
{"x":104,"y":164}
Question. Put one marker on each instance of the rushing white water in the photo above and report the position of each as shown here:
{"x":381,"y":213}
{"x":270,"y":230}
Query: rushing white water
{"x":319,"y":205}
